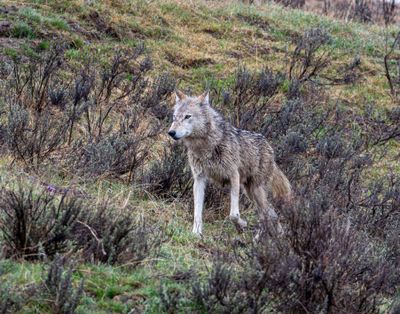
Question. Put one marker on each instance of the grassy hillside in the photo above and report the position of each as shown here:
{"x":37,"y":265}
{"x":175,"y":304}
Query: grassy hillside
{"x":198,"y":42}
{"x":201,"y":44}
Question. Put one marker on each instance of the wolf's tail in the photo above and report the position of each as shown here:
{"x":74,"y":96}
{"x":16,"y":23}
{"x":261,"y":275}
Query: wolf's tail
{"x":281,"y":188}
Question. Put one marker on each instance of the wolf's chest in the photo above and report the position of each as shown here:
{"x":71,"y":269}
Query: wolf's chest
{"x":211,"y":164}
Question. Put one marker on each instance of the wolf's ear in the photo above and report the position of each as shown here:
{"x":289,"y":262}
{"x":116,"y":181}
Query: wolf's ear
{"x":205,"y":98}
{"x":179,"y":95}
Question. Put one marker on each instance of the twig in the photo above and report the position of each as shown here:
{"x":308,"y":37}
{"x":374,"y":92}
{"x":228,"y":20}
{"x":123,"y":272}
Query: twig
{"x":100,"y":242}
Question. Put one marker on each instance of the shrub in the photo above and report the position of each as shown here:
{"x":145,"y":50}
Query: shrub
{"x":307,"y":61}
{"x":35,"y":223}
{"x":247,"y":101}
{"x":108,"y":235}
{"x":229,"y":290}
{"x":59,"y":288}
{"x":139,"y":108}
{"x":217,"y":293}
{"x":32,"y":137}
{"x":391,"y":65}
{"x":324,"y":263}
{"x":389,"y":11}
{"x":171,"y":299}
{"x":33,"y":133}
{"x":9,"y":302}
{"x":55,"y":291}
{"x":169,"y":177}
{"x":101,"y":118}
{"x":362,"y":11}
{"x":117,"y":153}
{"x":114,"y":155}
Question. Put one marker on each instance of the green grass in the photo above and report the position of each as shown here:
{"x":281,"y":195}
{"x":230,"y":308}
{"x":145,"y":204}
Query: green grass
{"x":22,"y":30}
{"x":44,"y":45}
{"x":57,"y":23}
{"x":31,"y":15}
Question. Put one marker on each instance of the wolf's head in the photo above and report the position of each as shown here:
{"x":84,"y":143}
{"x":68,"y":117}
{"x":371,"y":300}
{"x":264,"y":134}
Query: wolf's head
{"x":189,"y":116}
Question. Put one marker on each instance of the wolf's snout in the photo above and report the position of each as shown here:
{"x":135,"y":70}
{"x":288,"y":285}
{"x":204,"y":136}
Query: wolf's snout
{"x":172,"y":133}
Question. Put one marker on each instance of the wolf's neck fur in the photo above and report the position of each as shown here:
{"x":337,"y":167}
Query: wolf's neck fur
{"x":211,"y":134}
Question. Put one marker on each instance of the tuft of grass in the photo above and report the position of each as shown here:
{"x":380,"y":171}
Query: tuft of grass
{"x":11,"y":52}
{"x":31,"y":15}
{"x":57,"y":23}
{"x":44,"y":45}
{"x":22,"y":30}
{"x":77,"y":42}
{"x":73,"y":54}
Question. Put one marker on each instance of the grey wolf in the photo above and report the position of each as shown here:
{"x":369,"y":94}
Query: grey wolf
{"x":223,"y":154}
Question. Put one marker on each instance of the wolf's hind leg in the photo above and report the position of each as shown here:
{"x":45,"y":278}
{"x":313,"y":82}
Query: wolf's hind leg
{"x":234,"y":214}
{"x":259,"y":195}
{"x":199,"y":187}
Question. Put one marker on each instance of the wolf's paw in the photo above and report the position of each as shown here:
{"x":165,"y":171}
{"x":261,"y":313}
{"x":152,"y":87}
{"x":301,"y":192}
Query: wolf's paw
{"x":198,"y":235}
{"x":240,"y":223}
{"x":197,"y":232}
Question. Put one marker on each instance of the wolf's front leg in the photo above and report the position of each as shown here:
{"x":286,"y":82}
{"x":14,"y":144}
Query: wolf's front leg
{"x":234,"y":214}
{"x":199,"y":187}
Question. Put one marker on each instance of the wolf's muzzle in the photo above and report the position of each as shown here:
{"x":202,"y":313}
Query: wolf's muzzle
{"x":172,"y":134}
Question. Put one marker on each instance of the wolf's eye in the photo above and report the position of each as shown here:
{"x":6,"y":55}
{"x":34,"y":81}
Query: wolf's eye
{"x":188,"y":116}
